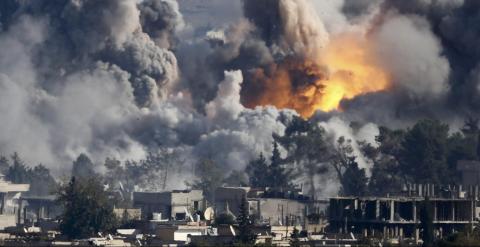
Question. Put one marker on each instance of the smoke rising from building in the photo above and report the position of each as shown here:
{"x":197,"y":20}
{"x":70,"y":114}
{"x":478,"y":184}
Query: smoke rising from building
{"x":124,"y":77}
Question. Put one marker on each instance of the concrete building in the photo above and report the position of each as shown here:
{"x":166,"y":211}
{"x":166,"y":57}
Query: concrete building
{"x":290,"y":208}
{"x":170,"y":205}
{"x":399,"y":216}
{"x":9,"y":203}
{"x":36,"y":208}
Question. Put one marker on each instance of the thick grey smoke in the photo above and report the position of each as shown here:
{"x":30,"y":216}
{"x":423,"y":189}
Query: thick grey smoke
{"x":123,"y":77}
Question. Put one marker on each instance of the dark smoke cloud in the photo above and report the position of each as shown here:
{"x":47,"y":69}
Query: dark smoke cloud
{"x":160,"y":19}
{"x":97,"y":77}
{"x":124,"y":77}
{"x":447,"y":29}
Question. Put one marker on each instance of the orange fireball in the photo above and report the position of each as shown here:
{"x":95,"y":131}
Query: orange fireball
{"x":346,"y":68}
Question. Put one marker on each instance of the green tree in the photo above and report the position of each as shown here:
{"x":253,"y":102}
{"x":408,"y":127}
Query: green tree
{"x":87,"y":209}
{"x":279,"y":177}
{"x":4,"y":165}
{"x":210,"y":177}
{"x":41,"y":181}
{"x":354,"y":180}
{"x":18,"y":172}
{"x":245,"y":225}
{"x":83,"y":167}
{"x":471,"y":132}
{"x":386,"y":173}
{"x":423,"y":155}
{"x":308,"y":150}
{"x":258,"y":172}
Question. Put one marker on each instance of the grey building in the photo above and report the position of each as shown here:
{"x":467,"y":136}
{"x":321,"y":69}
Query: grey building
{"x":169,"y":205}
{"x":399,"y":216}
{"x":289,"y":208}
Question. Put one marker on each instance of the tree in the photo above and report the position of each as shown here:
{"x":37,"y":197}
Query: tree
{"x":210,"y":177}
{"x":308,"y":150}
{"x":387,"y":176}
{"x":471,"y":131}
{"x":245,"y":233}
{"x":18,"y":171}
{"x":83,"y":167}
{"x":426,"y":222}
{"x":423,"y":155}
{"x":279,"y":177}
{"x":4,"y":165}
{"x":41,"y":182}
{"x":87,"y":209}
{"x":258,"y":172}
{"x":354,"y":180}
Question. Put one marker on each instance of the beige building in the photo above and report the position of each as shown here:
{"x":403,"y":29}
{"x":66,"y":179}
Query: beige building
{"x":169,"y":205}
{"x":289,"y":208}
{"x":9,"y":202}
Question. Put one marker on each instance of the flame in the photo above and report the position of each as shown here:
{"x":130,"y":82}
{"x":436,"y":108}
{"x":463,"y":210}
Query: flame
{"x":353,"y":72}
{"x":344,"y":69}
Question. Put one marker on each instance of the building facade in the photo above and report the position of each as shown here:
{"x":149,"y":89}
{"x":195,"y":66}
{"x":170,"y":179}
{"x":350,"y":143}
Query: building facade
{"x":399,"y":216}
{"x":170,"y":205}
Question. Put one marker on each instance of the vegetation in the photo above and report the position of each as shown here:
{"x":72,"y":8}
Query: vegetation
{"x":87,"y":208}
{"x":245,"y":224}
{"x":425,"y":153}
{"x":274,"y":175}
{"x":16,"y":170}
{"x":83,"y":167}
{"x":210,"y":177}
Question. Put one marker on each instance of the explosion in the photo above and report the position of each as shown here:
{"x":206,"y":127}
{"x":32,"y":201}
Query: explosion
{"x":344,"y":69}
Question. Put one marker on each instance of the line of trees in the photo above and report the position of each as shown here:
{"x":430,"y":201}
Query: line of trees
{"x":425,"y":153}
{"x":16,"y":170}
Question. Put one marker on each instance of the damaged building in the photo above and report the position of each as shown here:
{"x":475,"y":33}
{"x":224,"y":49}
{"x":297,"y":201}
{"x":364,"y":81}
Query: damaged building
{"x":169,"y":205}
{"x":275,"y":209}
{"x":454,"y":208}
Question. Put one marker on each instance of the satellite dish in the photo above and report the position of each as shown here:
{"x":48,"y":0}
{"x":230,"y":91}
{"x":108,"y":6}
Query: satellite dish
{"x":209,"y":213}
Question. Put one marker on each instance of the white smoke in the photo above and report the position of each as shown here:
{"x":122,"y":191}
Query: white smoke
{"x":336,"y":128}
{"x":412,"y":54}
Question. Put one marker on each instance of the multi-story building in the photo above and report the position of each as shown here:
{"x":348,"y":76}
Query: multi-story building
{"x":453,"y":209}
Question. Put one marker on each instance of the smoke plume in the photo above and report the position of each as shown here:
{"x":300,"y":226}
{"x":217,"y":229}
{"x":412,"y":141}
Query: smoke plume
{"x":211,"y":79}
